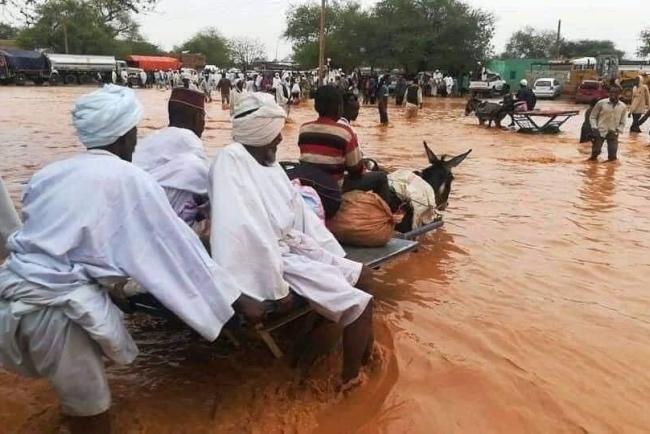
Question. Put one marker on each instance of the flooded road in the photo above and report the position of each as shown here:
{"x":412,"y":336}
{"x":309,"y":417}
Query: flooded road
{"x":528,"y":312}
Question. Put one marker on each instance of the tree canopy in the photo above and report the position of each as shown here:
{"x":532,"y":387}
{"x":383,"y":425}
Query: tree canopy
{"x":87,"y":27}
{"x":209,"y":42}
{"x":644,"y":49}
{"x":413,"y":35}
{"x":7,"y":31}
{"x":532,"y":43}
{"x":244,"y":51}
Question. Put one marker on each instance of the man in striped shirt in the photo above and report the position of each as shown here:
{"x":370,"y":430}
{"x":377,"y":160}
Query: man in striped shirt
{"x":328,"y":144}
{"x":331,"y":146}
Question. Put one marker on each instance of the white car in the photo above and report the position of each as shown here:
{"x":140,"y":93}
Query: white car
{"x":547,"y":88}
{"x":492,"y":85}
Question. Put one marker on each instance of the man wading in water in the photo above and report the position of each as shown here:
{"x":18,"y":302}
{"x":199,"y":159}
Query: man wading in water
{"x":608,"y":121}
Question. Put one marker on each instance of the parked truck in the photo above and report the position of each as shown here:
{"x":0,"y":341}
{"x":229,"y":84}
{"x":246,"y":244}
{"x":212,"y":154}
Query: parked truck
{"x":81,"y":68}
{"x":19,"y":66}
{"x":154,"y":63}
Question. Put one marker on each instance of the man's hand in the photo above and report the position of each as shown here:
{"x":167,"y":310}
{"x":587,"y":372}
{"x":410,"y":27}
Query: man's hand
{"x":250,"y":308}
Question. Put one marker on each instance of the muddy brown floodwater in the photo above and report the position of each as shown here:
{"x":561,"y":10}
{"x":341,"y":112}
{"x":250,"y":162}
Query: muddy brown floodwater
{"x":529,"y":312}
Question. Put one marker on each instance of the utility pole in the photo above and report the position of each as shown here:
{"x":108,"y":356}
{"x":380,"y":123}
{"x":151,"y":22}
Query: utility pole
{"x":321,"y":48}
{"x":557,"y":42}
{"x":65,"y":34}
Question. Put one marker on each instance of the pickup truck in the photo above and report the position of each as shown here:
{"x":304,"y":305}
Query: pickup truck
{"x":492,"y":85}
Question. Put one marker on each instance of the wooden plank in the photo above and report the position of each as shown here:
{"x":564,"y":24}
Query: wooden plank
{"x":375,"y":256}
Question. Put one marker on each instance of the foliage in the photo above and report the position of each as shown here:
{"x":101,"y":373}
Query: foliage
{"x":644,"y":49}
{"x":87,"y":29}
{"x":7,"y":31}
{"x":414,"y":35}
{"x":244,"y":51}
{"x":209,"y":42}
{"x":29,"y":10}
{"x":533,"y":43}
{"x":588,"y":48}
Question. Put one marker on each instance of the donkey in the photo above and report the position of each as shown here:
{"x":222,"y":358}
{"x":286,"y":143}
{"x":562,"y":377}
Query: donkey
{"x":486,"y":111}
{"x":438,"y":175}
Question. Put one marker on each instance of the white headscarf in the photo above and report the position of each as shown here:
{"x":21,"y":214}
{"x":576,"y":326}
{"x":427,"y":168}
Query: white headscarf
{"x":257,"y":119}
{"x":103,"y":116}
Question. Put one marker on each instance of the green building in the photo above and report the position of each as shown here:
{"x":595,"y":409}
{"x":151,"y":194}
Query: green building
{"x":513,"y":70}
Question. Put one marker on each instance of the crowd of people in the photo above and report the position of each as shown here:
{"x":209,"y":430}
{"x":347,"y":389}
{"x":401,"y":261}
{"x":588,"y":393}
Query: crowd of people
{"x":121,"y":216}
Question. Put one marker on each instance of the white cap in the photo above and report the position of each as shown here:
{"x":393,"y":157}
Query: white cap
{"x":524,"y":82}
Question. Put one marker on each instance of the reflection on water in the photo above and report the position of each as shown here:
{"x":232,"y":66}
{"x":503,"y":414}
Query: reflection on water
{"x":528,"y":312}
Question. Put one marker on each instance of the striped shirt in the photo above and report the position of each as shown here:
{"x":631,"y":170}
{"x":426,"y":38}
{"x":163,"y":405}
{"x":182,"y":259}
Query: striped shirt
{"x":331,"y":146}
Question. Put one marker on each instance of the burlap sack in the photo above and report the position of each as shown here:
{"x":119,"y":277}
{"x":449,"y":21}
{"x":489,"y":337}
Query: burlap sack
{"x":364,"y":220}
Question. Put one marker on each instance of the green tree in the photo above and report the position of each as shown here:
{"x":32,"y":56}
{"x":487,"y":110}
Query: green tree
{"x":413,"y":35}
{"x":77,"y":22}
{"x":7,"y":31}
{"x":426,"y":34}
{"x":644,"y":48}
{"x":532,"y":43}
{"x":87,"y":30}
{"x":29,"y":10}
{"x":588,"y":48}
{"x":345,"y":33}
{"x":209,"y":42}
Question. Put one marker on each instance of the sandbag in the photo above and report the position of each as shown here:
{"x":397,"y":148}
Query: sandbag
{"x":364,"y":220}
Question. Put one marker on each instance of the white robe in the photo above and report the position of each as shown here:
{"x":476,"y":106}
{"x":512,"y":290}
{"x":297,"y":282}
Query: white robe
{"x":176,"y":159}
{"x":268,"y":238}
{"x":9,"y":221}
{"x":95,"y":218}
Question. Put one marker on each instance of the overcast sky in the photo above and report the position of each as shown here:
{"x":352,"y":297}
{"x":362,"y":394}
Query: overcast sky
{"x":174,"y":21}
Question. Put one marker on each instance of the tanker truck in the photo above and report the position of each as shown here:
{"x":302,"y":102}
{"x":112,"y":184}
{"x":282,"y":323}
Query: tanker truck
{"x":82,"y":68}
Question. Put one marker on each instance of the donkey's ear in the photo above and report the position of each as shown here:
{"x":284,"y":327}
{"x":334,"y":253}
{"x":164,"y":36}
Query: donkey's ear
{"x":457,"y":160}
{"x":430,"y":155}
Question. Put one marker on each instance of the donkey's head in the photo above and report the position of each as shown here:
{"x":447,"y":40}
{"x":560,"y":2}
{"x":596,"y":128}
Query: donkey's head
{"x":438,"y":175}
{"x":472,"y":104}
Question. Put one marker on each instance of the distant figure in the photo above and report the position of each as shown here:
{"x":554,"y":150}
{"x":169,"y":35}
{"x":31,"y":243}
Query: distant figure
{"x":640,"y":104}
{"x":224,"y":86}
{"x":143,"y":79}
{"x":400,"y":90}
{"x":125,"y":77}
{"x":412,"y":99}
{"x":295,"y":92}
{"x":526,"y":95}
{"x":449,"y":85}
{"x":586,"y":134}
{"x":382,"y":96}
{"x":608,"y":121}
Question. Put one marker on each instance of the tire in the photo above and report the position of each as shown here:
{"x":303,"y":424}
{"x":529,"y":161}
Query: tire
{"x":70,"y":79}
{"x":55,"y":80}
{"x":20,"y":79}
{"x":84,"y":79}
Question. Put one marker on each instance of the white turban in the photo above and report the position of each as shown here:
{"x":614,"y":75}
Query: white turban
{"x":103,"y":116}
{"x":257,"y":119}
{"x":524,"y":82}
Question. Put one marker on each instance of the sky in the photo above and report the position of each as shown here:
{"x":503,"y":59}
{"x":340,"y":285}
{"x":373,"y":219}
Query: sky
{"x":174,"y":21}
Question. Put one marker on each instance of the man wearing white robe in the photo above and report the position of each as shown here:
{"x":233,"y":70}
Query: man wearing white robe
{"x":175,"y":157}
{"x":268,"y":238}
{"x":92,"y":220}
